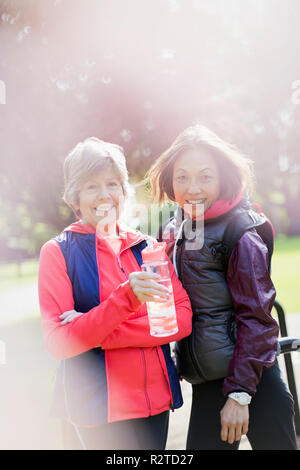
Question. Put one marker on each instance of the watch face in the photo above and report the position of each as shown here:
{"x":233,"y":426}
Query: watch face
{"x":241,"y":397}
{"x":244,"y":399}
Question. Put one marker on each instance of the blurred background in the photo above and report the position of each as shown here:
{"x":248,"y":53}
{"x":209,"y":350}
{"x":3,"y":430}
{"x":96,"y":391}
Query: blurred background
{"x":134,"y":73}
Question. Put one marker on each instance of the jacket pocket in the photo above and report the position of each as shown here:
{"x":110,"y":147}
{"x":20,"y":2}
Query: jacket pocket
{"x":187,"y":365}
{"x":231,"y":328}
{"x":205,"y":354}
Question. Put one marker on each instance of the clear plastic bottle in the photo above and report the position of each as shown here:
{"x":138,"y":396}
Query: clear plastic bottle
{"x":162,"y":316}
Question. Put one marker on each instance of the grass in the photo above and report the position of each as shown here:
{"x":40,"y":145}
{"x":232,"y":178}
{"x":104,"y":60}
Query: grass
{"x":13,"y":275}
{"x":286,"y":272}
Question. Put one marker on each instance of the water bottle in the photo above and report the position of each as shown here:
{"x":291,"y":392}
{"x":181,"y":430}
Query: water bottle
{"x":162,"y":316}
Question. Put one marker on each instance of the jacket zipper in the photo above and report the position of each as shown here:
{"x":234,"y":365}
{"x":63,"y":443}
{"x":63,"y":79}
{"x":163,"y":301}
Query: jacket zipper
{"x":189,"y":338}
{"x":141,"y":350}
{"x":193,"y":358}
{"x":145,"y":381}
{"x":130,"y":246}
{"x":119,"y":260}
{"x":167,"y":381}
{"x":122,"y":269}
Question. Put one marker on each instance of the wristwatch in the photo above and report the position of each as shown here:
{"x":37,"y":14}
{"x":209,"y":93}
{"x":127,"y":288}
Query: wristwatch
{"x":242,"y":398}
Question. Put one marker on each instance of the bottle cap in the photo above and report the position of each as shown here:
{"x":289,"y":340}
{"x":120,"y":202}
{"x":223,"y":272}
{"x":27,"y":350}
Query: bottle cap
{"x":154,"y":254}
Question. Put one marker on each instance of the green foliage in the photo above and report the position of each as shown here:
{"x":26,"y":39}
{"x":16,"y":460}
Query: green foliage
{"x":77,"y":69}
{"x":14,"y":275}
{"x":286,"y":272}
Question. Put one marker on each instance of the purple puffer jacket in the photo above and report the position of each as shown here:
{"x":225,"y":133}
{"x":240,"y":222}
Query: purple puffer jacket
{"x":253,"y":295}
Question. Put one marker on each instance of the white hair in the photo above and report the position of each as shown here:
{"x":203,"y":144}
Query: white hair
{"x":87,"y":158}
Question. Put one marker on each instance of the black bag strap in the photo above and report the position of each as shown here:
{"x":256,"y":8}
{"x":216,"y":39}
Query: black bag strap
{"x":238,"y":224}
{"x":162,"y":228}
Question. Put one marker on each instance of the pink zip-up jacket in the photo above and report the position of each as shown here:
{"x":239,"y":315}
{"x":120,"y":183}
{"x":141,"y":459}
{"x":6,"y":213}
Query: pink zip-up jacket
{"x":138,"y":384}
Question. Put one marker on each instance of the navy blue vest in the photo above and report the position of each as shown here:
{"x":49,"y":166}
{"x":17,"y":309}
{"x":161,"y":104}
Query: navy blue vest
{"x":80,"y":393}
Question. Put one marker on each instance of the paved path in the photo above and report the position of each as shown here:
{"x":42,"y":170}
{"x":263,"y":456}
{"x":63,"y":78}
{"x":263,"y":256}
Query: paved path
{"x":19,"y":303}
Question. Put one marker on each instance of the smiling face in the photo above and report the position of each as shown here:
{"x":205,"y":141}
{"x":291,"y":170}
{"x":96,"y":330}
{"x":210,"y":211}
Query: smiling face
{"x":196,"y":181}
{"x":101,"y":199}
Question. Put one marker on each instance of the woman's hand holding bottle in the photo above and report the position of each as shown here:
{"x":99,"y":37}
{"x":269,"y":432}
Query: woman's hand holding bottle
{"x":146,"y":288}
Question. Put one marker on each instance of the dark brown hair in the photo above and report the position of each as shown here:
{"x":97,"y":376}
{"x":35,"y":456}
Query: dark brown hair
{"x":235,"y":169}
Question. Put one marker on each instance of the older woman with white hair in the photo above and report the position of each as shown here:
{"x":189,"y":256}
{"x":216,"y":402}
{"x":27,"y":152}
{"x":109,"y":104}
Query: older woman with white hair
{"x":116,"y":383}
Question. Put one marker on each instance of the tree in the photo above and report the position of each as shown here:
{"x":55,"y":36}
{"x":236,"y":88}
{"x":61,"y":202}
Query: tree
{"x":136,"y":73}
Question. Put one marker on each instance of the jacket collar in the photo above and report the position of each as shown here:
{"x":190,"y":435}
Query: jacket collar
{"x":128,"y":235}
{"x":218,"y":209}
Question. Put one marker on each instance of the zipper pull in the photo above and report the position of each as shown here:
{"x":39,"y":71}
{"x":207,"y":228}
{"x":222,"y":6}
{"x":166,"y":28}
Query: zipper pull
{"x":121,"y":267}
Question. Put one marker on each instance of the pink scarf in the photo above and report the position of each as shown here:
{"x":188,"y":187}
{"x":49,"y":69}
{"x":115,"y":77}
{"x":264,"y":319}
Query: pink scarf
{"x":220,"y":207}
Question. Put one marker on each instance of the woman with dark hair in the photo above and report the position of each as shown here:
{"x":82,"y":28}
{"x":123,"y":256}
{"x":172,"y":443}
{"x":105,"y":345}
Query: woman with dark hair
{"x":230,"y":357}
